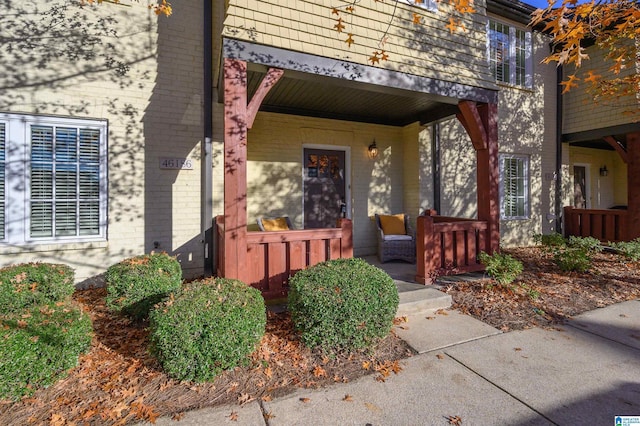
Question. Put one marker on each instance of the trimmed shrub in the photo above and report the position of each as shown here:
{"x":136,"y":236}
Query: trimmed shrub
{"x":503,"y":268}
{"x":29,"y":284}
{"x":342,"y":304}
{"x":207,"y":327}
{"x":40,"y":345}
{"x":629,"y":249}
{"x":136,"y":284}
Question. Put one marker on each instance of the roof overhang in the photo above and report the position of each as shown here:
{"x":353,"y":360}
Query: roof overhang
{"x":595,"y":138}
{"x":333,"y":88}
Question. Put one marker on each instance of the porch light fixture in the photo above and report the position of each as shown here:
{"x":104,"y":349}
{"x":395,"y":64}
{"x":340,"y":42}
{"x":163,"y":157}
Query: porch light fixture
{"x":373,"y":150}
{"x":604,"y":171}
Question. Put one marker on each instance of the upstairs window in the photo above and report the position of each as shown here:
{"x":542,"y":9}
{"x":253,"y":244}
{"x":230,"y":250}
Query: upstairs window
{"x":52,"y":179}
{"x":431,"y":5}
{"x":514,"y":187}
{"x":509,"y":52}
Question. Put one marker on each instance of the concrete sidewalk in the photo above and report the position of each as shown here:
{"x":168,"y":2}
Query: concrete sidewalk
{"x":583,"y":373}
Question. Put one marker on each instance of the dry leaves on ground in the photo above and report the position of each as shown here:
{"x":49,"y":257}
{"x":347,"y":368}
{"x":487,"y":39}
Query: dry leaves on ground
{"x":119,"y":383}
{"x":543,"y":295}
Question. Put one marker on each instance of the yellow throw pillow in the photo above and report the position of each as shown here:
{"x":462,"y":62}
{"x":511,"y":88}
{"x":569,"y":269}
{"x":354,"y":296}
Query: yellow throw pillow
{"x":393,"y":224}
{"x":277,"y":224}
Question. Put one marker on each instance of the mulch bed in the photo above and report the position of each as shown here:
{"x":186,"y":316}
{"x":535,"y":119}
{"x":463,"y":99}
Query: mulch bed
{"x":543,"y":295}
{"x":118,"y":382}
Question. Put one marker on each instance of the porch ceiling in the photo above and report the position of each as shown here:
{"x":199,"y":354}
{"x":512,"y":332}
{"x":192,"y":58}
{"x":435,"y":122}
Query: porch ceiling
{"x":348,"y":100}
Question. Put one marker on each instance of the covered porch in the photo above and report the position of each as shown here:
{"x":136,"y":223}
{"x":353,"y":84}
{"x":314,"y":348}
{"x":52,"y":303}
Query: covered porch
{"x":273,"y":82}
{"x":605,"y":184}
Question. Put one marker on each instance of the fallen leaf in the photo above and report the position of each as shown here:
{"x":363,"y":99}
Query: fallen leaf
{"x":233,"y":416}
{"x":305,"y":400}
{"x":442,"y":312}
{"x":517,"y":349}
{"x":440,"y":356}
{"x":319,"y":371}
{"x":268,"y":415}
{"x":347,"y":398}
{"x":454,"y":420}
{"x":266,"y":398}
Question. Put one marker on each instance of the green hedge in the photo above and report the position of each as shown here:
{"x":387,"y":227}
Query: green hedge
{"x":134,"y":285}
{"x":29,"y":284}
{"x":207,"y":327}
{"x":39,"y":345}
{"x":343,"y":304}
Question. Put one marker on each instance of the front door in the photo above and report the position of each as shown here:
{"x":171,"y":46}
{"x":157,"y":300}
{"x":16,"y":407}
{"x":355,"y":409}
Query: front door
{"x":580,"y":187}
{"x":324,"y":187}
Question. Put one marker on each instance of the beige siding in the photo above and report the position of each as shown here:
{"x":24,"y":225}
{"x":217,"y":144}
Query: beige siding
{"x":428,"y":49}
{"x":154,"y":111}
{"x":274,"y":169}
{"x":526,"y":127}
{"x":581,"y":113}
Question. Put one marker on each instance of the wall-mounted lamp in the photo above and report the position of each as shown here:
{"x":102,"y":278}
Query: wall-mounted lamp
{"x":604,"y":171}
{"x":373,"y":150}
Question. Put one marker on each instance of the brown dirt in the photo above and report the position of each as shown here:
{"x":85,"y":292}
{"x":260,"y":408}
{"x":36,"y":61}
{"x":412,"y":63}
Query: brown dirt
{"x":543,"y":295}
{"x":118,"y":382}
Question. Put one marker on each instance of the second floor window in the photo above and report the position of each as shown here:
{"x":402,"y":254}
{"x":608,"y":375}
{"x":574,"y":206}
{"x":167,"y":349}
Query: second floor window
{"x":509,"y":50}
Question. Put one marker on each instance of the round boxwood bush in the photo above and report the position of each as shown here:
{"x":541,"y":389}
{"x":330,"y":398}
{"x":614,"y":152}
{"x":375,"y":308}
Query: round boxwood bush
{"x":343,"y":304}
{"x":207,"y":327}
{"x":134,"y":285}
{"x":39,"y":345}
{"x":29,"y":284}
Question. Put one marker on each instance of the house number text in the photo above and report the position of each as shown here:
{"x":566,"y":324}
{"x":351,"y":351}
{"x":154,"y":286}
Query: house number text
{"x":176,"y":163}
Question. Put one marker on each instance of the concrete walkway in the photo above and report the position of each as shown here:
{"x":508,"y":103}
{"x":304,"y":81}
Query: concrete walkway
{"x":583,"y":373}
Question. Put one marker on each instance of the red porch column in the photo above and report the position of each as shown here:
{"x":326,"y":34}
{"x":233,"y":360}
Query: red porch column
{"x":235,"y":171}
{"x":481,"y":123}
{"x":633,"y":186}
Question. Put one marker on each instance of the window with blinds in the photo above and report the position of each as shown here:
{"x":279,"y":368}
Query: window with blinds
{"x":514,"y":186}
{"x":509,"y":54}
{"x":62,"y":185}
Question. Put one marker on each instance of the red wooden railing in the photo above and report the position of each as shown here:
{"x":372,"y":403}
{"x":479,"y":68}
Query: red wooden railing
{"x":605,"y":225}
{"x":273,"y":257}
{"x":448,"y":246}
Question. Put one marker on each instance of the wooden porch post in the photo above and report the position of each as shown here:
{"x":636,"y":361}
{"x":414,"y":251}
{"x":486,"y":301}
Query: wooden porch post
{"x":235,"y":171}
{"x":633,"y":186}
{"x":481,"y":122}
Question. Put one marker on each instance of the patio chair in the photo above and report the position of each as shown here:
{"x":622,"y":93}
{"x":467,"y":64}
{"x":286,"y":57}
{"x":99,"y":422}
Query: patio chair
{"x":396,"y":238}
{"x":274,"y":224}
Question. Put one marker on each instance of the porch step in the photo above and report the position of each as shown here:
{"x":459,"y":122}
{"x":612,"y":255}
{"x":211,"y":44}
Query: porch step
{"x":418,"y":298}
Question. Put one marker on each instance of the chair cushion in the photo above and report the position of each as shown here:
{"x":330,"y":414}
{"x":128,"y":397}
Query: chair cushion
{"x":393,"y":224}
{"x":398,"y":237}
{"x":277,"y":224}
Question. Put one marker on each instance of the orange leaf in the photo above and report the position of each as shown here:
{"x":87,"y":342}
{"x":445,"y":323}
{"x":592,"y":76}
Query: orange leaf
{"x":347,"y":398}
{"x":349,"y":40}
{"x":319,"y":371}
{"x":305,"y":400}
{"x":233,"y":416}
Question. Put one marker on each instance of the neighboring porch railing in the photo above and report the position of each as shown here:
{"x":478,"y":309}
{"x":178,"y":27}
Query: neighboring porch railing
{"x":273,"y":257}
{"x":448,"y":246}
{"x":605,"y":225}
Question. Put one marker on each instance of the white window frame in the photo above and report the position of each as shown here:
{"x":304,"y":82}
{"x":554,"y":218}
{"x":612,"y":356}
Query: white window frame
{"x":430,"y":5}
{"x":512,"y":78}
{"x":526,"y":196}
{"x":18,"y":178}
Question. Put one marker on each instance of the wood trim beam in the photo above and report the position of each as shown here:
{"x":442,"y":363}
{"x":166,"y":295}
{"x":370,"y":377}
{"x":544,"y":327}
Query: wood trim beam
{"x":473,"y":124}
{"x":269,"y":80}
{"x":235,"y":169}
{"x":615,"y":144}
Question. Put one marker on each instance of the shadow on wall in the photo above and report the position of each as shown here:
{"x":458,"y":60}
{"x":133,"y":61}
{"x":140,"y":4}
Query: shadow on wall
{"x":67,"y":60}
